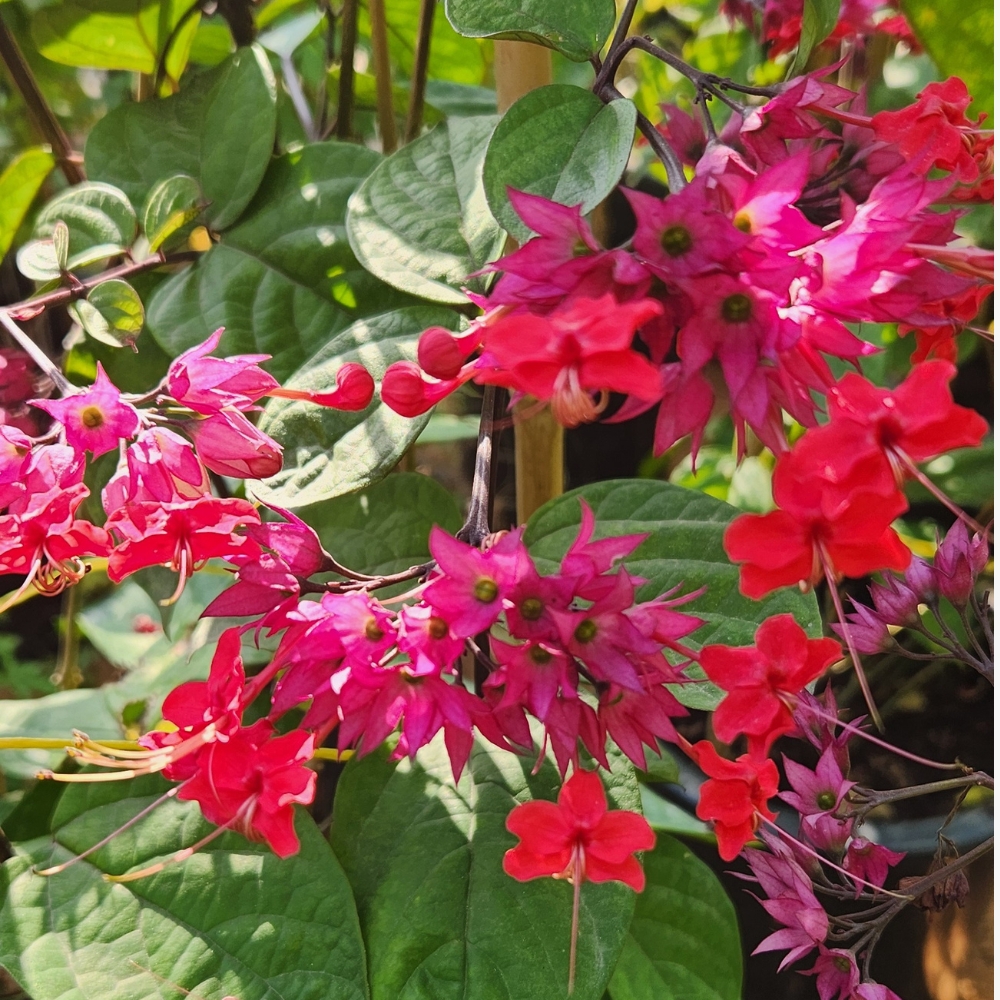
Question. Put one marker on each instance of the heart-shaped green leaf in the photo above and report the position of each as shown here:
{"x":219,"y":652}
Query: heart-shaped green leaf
{"x":561,"y":142}
{"x":684,"y":943}
{"x":684,"y":548}
{"x":330,"y":452}
{"x":420,"y":221}
{"x":170,"y":207}
{"x":283,"y":280}
{"x":219,"y":129}
{"x":112,"y":313}
{"x":95,"y":215}
{"x":231,"y":920}
{"x":576,"y":28}
{"x":414,"y":843}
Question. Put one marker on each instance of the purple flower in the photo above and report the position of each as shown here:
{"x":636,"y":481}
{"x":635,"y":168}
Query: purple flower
{"x":958,"y":562}
{"x":819,"y":791}
{"x":836,"y":973}
{"x":870,"y":861}
{"x":867,"y":629}
{"x":895,"y":601}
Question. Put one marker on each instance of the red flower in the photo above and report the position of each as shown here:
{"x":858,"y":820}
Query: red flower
{"x":761,"y":680}
{"x":578,"y":838}
{"x":735,"y":796}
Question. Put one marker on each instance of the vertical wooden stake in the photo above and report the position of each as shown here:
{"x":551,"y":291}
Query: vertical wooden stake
{"x":538,"y":440}
{"x":383,"y":75}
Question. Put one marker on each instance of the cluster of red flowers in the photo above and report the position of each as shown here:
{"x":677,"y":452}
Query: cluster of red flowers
{"x":159,"y":504}
{"x":787,"y":232}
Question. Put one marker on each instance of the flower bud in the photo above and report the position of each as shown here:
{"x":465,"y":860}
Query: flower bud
{"x":958,"y":562}
{"x":408,"y":393}
{"x":231,"y":446}
{"x":895,"y":602}
{"x":441,"y":354}
{"x":922,"y":580}
{"x":355,"y":389}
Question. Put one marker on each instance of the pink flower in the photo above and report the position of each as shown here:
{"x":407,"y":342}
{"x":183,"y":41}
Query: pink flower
{"x":159,"y":466}
{"x":836,"y":973}
{"x":581,"y":349}
{"x":958,"y":562}
{"x":819,"y":791}
{"x":252,"y":782}
{"x":869,"y":861}
{"x":95,"y":420}
{"x":421,"y":632}
{"x":470,"y":586}
{"x":206,"y":384}
{"x":531,"y":674}
{"x":231,"y":446}
{"x":634,"y":718}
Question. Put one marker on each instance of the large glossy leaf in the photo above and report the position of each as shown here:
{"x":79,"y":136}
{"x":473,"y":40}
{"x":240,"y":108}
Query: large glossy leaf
{"x":328,"y":452}
{"x":420,"y":221}
{"x":561,"y":142}
{"x":233,"y":919}
{"x":115,"y":34}
{"x":384,"y":529}
{"x":959,"y":38}
{"x":684,"y":943}
{"x":576,"y":28}
{"x":19,"y":183}
{"x":219,"y":129}
{"x":284,"y":280}
{"x":439,"y":916}
{"x":684,"y":548}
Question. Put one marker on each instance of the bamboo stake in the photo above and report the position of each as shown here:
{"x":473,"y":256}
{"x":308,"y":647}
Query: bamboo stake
{"x":383,"y":75}
{"x":538,"y":440}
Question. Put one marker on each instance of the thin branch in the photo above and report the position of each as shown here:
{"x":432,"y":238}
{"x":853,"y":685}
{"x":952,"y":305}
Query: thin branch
{"x":383,"y":75}
{"x":421,"y":58}
{"x":44,"y":362}
{"x":477,"y":524}
{"x":622,"y":29}
{"x":43,"y":116}
{"x":348,"y":41}
{"x":30,"y":308}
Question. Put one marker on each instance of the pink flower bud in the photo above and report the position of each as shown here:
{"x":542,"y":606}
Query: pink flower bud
{"x":441,"y":354}
{"x":405,"y":390}
{"x":231,"y":446}
{"x":355,"y":389}
{"x":957,"y":563}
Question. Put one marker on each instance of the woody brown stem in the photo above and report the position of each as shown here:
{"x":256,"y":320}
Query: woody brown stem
{"x":383,"y":75}
{"x":42,"y":115}
{"x":421,"y":58}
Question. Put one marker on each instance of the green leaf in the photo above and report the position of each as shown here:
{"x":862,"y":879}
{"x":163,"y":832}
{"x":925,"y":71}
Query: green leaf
{"x":172,"y":204}
{"x":661,"y":814}
{"x":219,"y":129}
{"x":684,"y":942}
{"x":233,"y":919}
{"x":283,"y":281}
{"x":60,"y":244}
{"x":330,"y":452}
{"x":112,"y":313}
{"x":366,"y":96}
{"x":461,"y":100}
{"x":415,"y":844}
{"x":684,"y":548}
{"x":419,"y":221}
{"x":19,"y":184}
{"x":286,"y":37}
{"x":576,"y":28}
{"x":115,"y":34}
{"x":384,"y":529}
{"x":452,"y":57}
{"x":819,"y":18}
{"x":96,"y":215}
{"x":561,"y":142}
{"x":444,"y":428}
{"x":959,"y":38}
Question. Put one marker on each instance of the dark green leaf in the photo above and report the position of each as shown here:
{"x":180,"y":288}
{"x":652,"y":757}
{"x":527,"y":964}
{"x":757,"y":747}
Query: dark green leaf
{"x":561,"y":142}
{"x":284,"y":280}
{"x":415,"y":844}
{"x":818,"y":19}
{"x":965,"y":475}
{"x":576,"y":28}
{"x":172,"y":204}
{"x":219,"y":129}
{"x":461,"y":100}
{"x":115,"y":34}
{"x":684,"y":943}
{"x":329,"y":452}
{"x":384,"y":529}
{"x":96,"y":215}
{"x":112,"y":313}
{"x":419,"y":221}
{"x":684,"y":548}
{"x":959,"y":38}
{"x":233,"y":919}
{"x":19,"y":183}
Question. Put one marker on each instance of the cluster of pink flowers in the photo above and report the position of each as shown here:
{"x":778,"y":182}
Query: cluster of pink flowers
{"x":364,"y":670}
{"x":787,"y":232}
{"x":159,"y":504}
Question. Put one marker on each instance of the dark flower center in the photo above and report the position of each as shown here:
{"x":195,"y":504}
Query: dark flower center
{"x":437,"y":628}
{"x":676,"y":240}
{"x":742,"y":222}
{"x":485,"y":590}
{"x":736,"y":308}
{"x":539,"y":656}
{"x":826,"y":800}
{"x":531,"y":609}
{"x":585,"y":631}
{"x":372,"y":632}
{"x":92,"y":417}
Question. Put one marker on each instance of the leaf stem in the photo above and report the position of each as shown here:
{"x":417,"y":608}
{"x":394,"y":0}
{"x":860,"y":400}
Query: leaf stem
{"x":477,"y":523}
{"x":43,"y":116}
{"x":421,"y":59}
